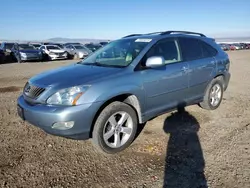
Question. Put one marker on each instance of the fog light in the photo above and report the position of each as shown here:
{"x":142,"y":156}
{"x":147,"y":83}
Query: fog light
{"x":63,"y":125}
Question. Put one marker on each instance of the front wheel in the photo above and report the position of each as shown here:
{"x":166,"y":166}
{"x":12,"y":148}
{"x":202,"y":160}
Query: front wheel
{"x":76,"y":56}
{"x":115,"y":128}
{"x":213,"y":95}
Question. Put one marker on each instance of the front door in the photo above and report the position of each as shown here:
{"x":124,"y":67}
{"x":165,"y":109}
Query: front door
{"x":165,"y":87}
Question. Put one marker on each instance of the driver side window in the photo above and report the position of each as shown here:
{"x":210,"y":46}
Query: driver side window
{"x":168,"y":49}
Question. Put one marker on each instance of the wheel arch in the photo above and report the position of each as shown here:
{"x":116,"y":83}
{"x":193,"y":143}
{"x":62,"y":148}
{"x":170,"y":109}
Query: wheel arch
{"x":127,"y":98}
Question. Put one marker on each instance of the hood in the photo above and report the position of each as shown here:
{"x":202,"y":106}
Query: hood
{"x":56,"y":51}
{"x":29,"y":51}
{"x":72,"y":75}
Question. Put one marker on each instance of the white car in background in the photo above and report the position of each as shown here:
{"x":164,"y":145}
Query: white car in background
{"x":53,"y":52}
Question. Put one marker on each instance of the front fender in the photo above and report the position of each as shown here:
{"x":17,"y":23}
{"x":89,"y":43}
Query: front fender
{"x":121,"y":90}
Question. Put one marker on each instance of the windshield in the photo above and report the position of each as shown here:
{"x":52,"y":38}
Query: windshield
{"x":26,"y":47}
{"x":36,"y":45}
{"x":60,"y":45}
{"x":9,"y":45}
{"x":53,"y":48}
{"x":119,"y":53}
{"x":93,"y":47}
{"x":79,"y":47}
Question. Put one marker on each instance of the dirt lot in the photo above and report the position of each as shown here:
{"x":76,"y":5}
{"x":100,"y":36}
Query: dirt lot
{"x":197,"y":148}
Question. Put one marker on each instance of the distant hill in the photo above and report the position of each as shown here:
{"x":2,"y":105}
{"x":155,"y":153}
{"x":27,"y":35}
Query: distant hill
{"x":83,"y":41}
{"x":59,"y":40}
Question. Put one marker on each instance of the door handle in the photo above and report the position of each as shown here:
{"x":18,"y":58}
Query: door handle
{"x":184,"y":69}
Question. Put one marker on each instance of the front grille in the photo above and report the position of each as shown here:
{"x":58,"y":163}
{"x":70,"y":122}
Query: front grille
{"x":32,"y":91}
{"x":61,"y":53}
{"x":32,"y":54}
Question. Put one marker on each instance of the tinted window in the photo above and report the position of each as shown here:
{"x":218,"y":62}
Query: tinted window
{"x":9,"y":45}
{"x":168,"y":49}
{"x":26,"y":47}
{"x":53,"y":48}
{"x":208,"y":51}
{"x":190,"y":48}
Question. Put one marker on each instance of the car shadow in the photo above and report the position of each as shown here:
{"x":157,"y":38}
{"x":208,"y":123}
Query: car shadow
{"x":184,"y":162}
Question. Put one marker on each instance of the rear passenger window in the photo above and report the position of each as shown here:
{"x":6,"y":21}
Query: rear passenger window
{"x":208,"y":51}
{"x":190,"y":48}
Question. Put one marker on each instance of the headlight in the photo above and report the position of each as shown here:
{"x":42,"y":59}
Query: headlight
{"x":67,"y":97}
{"x":23,"y":54}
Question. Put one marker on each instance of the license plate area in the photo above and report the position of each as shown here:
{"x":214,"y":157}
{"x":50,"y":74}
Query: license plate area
{"x":20,"y":112}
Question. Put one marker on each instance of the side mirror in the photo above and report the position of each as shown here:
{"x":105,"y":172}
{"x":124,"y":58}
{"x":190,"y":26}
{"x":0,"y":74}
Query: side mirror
{"x":155,"y":61}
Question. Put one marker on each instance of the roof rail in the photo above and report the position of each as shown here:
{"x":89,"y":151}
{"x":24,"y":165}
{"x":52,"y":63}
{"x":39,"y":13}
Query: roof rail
{"x":182,"y":32}
{"x":168,"y":33}
{"x":154,"y":33}
{"x":131,"y":35}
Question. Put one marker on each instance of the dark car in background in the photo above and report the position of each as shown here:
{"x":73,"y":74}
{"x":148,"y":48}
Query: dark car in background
{"x":103,"y":43}
{"x":2,"y":57}
{"x":36,"y":45}
{"x":93,"y":47}
{"x":6,"y":48}
{"x":26,"y":52}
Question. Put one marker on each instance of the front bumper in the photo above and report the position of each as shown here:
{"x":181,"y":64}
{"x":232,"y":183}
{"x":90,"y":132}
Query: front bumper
{"x":27,"y":58}
{"x":53,"y":57}
{"x":82,"y":56}
{"x":44,"y":116}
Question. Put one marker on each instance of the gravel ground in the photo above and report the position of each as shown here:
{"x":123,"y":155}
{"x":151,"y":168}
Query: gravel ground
{"x":196,"y":148}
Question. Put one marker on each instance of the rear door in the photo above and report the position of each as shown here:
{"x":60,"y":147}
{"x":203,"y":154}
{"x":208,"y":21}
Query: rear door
{"x":202,"y":64}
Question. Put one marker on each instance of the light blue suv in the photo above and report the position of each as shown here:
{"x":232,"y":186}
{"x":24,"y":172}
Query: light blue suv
{"x":124,"y":84}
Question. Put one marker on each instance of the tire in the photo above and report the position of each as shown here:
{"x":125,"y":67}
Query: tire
{"x":75,"y":56}
{"x":103,"y":125}
{"x":207,"y":102}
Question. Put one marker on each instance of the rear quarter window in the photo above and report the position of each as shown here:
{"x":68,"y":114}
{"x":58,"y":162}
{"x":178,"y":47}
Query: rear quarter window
{"x":208,"y":50}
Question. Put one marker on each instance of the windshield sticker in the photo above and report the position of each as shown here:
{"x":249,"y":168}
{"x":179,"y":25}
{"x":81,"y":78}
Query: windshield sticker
{"x":143,"y":40}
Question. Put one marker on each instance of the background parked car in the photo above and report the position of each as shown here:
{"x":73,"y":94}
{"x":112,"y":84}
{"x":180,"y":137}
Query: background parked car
{"x":2,"y":57}
{"x":243,"y":45}
{"x":237,"y":46}
{"x":71,"y":43}
{"x":232,"y":47}
{"x":6,"y":48}
{"x":36,"y":45}
{"x":52,"y":52}
{"x":247,"y":46}
{"x":77,"y":51}
{"x":103,"y":43}
{"x":26,"y":52}
{"x":93,"y":47}
{"x":225,"y":47}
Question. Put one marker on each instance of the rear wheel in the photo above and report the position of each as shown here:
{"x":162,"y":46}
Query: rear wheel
{"x":213,"y":95}
{"x":115,"y":128}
